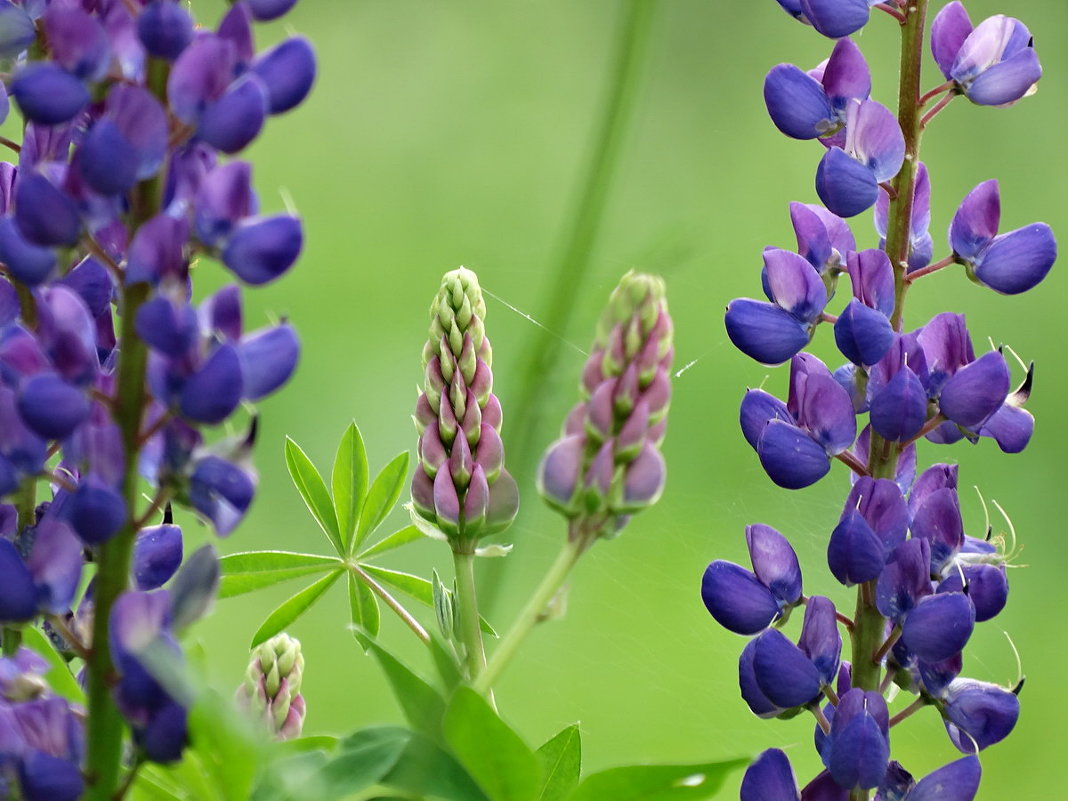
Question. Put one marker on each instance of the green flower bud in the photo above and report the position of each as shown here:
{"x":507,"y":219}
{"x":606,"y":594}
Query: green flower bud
{"x":272,"y":686}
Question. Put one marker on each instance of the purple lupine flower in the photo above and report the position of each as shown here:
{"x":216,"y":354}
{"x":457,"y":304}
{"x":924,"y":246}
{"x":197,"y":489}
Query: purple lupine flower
{"x":848,"y":177}
{"x":773,"y":332}
{"x":747,"y":602}
{"x":824,"y":239}
{"x":978,"y":714}
{"x":796,"y":440}
{"x":770,"y":777}
{"x":832,"y":18}
{"x":857,"y":749}
{"x":921,"y":245}
{"x":804,"y":105}
{"x":993,"y":64}
{"x":873,"y":524}
{"x":1007,"y":263}
{"x":957,"y":781}
{"x":608,"y":465}
{"x":461,"y":486}
{"x":862,"y":331}
{"x":789,"y":675}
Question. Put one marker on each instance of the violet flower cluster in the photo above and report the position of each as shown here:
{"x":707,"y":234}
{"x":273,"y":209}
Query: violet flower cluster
{"x":111,"y":379}
{"x":923,"y":582}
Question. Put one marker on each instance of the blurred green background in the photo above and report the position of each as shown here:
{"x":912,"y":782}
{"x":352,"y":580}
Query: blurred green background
{"x":455,"y":132}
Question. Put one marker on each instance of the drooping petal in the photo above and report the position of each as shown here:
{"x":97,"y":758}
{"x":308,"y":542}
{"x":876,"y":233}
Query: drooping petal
{"x":157,"y":555}
{"x":845,"y":186}
{"x":820,"y":639}
{"x":764,"y":331}
{"x":769,"y":778}
{"x":783,"y":672}
{"x":976,"y":391}
{"x":48,"y":94}
{"x":1011,"y":427}
{"x":1017,"y":261}
{"x":987,"y":587}
{"x":957,"y":781}
{"x":836,"y":18}
{"x":979,"y":714}
{"x":737,"y":599}
{"x":794,"y":284}
{"x":215,"y":390}
{"x":939,"y":626}
{"x":905,"y":579}
{"x":854,"y":553}
{"x":1007,"y":81}
{"x":797,"y":103}
{"x":165,"y":29}
{"x":268,"y":359}
{"x":288,"y":72}
{"x":236,"y":118}
{"x":791,"y":457}
{"x":262,"y":249}
{"x":858,"y":749}
{"x":51,"y":407}
{"x":899,"y":410}
{"x":863,"y":334}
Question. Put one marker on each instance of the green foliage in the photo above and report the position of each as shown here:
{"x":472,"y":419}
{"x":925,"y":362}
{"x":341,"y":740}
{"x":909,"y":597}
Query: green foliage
{"x":561,"y":764}
{"x":294,"y":607}
{"x":59,"y":677}
{"x":422,"y":705}
{"x":255,"y":570}
{"x":657,"y":782}
{"x":502,"y":764}
{"x":364,"y":610}
{"x":349,"y":482}
{"x":313,"y":490}
{"x":382,"y":496}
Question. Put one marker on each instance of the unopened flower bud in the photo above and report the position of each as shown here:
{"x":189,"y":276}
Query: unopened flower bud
{"x":272,"y":686}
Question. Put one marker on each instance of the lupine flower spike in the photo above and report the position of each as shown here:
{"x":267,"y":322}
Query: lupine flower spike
{"x":271,"y":690}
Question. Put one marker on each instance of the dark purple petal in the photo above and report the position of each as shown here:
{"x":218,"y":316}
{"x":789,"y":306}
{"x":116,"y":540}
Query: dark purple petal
{"x":750,"y":691}
{"x":45,"y":215}
{"x":737,"y":599}
{"x":976,"y":220}
{"x":77,"y":42}
{"x":1017,"y":261}
{"x":18,"y":596}
{"x":939,"y":626}
{"x":44,"y":777}
{"x":27,"y":262}
{"x":858,"y":752}
{"x":288,"y":72}
{"x":215,"y":390}
{"x":220,"y":313}
{"x":769,"y":778}
{"x":200,"y":76}
{"x":934,"y":478}
{"x":863,"y":335}
{"x":937,"y":519}
{"x":836,"y":18}
{"x":976,"y":391}
{"x":764,"y":331}
{"x":108,"y":161}
{"x":987,"y":587}
{"x":165,"y":29}
{"x":794,"y":285}
{"x":899,"y":410}
{"x":845,"y":186}
{"x":797,"y":103}
{"x":820,"y":640}
{"x":1007,"y":81}
{"x":95,"y":511}
{"x":872,"y":277}
{"x":225,"y":197}
{"x":846,"y":76}
{"x":17,"y":30}
{"x":827,"y":413}
{"x":824,"y":788}
{"x":854,"y":553}
{"x":268,"y":359}
{"x":1011,"y":427}
{"x":236,"y":27}
{"x":165,"y":735}
{"x":157,"y":555}
{"x":791,"y":457}
{"x":950,"y":28}
{"x":758,"y":407}
{"x":979,"y":714}
{"x":171,"y":329}
{"x":784,"y":674}
{"x":48,"y":94}
{"x":260,"y":250}
{"x":93,"y":283}
{"x":905,"y":579}
{"x":957,"y":781}
{"x":55,"y":563}
{"x":235,"y":119}
{"x":265,"y":10}
{"x":51,"y":407}
{"x":774,"y":562}
{"x":222,"y":492}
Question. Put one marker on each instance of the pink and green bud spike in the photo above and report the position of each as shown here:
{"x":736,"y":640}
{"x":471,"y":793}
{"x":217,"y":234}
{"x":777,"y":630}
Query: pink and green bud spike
{"x":460,"y":485}
{"x":272,"y":686}
{"x":607,"y":465}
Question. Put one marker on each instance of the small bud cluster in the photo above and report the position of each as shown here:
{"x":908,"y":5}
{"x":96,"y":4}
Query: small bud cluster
{"x":923,"y":582}
{"x":608,"y":465}
{"x":109,"y":376}
{"x":272,"y":686}
{"x":461,"y":485}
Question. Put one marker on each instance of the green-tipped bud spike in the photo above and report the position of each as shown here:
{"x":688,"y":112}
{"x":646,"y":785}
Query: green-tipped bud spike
{"x":271,"y":690}
{"x":608,"y":465}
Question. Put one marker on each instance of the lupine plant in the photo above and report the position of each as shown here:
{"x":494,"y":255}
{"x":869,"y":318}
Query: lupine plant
{"x":922,"y":582}
{"x":113,"y":381}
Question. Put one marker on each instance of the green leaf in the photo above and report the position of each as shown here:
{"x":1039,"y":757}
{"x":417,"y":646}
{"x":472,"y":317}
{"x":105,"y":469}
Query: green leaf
{"x":59,"y":677}
{"x":394,"y":540}
{"x":657,"y":782}
{"x":418,"y":588}
{"x":225,"y":745}
{"x":313,"y":490}
{"x":293,"y":608}
{"x":445,"y":661}
{"x":363,"y":606}
{"x":498,"y":759}
{"x":422,"y":705}
{"x":153,"y":784}
{"x":382,"y":496}
{"x":362,"y":761}
{"x":561,"y":762}
{"x":254,"y":570}
{"x":349,"y":482}
{"x":425,"y":769}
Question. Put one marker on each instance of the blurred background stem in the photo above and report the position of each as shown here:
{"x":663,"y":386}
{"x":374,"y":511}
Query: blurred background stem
{"x":579,"y":239}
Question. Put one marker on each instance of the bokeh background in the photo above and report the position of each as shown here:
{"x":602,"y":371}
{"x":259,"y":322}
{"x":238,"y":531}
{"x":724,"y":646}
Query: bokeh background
{"x":456,"y":132}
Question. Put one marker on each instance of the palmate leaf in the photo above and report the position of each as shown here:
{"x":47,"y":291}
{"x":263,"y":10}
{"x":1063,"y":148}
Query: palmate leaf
{"x":313,"y":490}
{"x":495,"y":756}
{"x":418,"y":588}
{"x":395,"y":540}
{"x":364,"y":610}
{"x":657,"y":782}
{"x":253,"y":570}
{"x":293,"y":608}
{"x":349,"y":482}
{"x":561,"y":764}
{"x":382,"y":496}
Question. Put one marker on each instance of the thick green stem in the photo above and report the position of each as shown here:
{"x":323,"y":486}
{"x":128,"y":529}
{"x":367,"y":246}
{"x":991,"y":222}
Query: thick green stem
{"x":470,"y":627}
{"x":105,"y":728}
{"x":565,"y":287}
{"x":534,"y":611}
